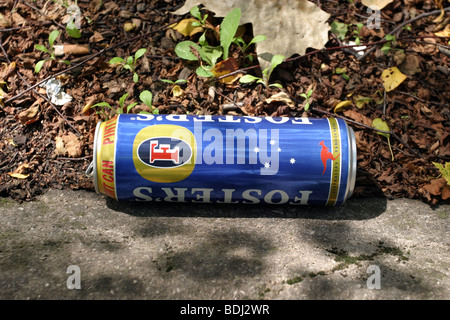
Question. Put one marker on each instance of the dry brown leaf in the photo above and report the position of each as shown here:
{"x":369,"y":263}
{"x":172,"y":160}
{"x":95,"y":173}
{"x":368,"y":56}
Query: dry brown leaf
{"x":291,"y":26}
{"x":59,"y":144}
{"x":224,"y":67}
{"x":281,"y":97}
{"x":376,"y":4}
{"x":410,"y":65}
{"x":72,"y":144}
{"x":358,"y":117}
{"x":31,"y":114}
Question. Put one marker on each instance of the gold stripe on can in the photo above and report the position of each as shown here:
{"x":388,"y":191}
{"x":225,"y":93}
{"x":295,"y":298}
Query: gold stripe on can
{"x":336,"y":163}
{"x":104,"y":151}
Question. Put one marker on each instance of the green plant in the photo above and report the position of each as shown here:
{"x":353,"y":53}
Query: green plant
{"x":357,"y":32}
{"x":147,"y":98}
{"x":206,"y":54}
{"x":339,"y":29}
{"x":51,"y":39}
{"x":386,"y":48}
{"x":174,"y":82}
{"x":130,"y":62}
{"x":276,"y":61}
{"x":195,"y":12}
{"x":244,"y":46}
{"x":307,"y":96}
{"x":121,"y":109}
{"x":380,"y":124}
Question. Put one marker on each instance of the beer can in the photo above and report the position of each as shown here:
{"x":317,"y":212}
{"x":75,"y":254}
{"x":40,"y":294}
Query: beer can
{"x":225,"y":159}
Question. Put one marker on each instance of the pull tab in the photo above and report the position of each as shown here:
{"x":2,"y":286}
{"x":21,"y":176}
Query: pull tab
{"x":90,"y":169}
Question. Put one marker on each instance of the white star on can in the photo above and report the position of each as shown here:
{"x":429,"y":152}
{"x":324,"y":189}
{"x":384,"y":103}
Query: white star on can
{"x":292,"y":161}
{"x":272,"y":142}
{"x":256,"y":149}
{"x":267,"y":165}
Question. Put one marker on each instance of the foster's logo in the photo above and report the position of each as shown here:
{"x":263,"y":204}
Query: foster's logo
{"x":164,"y":152}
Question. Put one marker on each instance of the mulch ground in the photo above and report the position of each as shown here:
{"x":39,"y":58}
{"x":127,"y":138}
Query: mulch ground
{"x":46,"y":146}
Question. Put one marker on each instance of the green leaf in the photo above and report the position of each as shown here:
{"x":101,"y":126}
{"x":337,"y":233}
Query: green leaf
{"x":146,"y":97}
{"x":276,"y":85}
{"x":52,"y":37}
{"x":257,"y":39}
{"x":276,"y":61}
{"x":135,"y":77}
{"x":129,"y":61}
{"x":195,"y":12}
{"x":339,"y":29}
{"x":390,"y":37}
{"x":102,"y":104}
{"x":183,"y":50}
{"x":42,"y":48}
{"x":72,"y":30}
{"x":128,"y":67}
{"x":306,"y":106}
{"x":122,"y":99}
{"x":386,"y":48}
{"x":65,"y":61}
{"x":203,"y":72}
{"x":228,"y":30}
{"x":167,"y":81}
{"x":116,"y":60}
{"x":38,"y":66}
{"x":139,"y":53}
{"x":248,"y":78}
{"x":131,"y":106}
{"x":181,"y":81}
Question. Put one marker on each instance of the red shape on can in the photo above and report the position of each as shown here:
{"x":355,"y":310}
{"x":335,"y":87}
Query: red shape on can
{"x":325,"y":155}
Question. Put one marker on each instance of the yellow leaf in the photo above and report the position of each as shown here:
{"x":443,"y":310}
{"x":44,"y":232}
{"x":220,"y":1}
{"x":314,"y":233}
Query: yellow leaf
{"x":281,"y":97}
{"x":18,"y":175}
{"x":341,"y":105}
{"x":361,"y":101}
{"x":186,"y":28}
{"x":392,"y":78}
{"x":444,"y":33}
{"x":177,"y":91}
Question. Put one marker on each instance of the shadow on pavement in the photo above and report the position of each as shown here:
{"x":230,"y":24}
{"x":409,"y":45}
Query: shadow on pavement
{"x":356,"y":208}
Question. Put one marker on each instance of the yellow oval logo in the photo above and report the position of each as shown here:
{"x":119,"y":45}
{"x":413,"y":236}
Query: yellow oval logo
{"x":164,"y":153}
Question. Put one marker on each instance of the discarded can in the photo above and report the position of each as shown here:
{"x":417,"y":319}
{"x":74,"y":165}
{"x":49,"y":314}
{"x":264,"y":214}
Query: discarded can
{"x":225,"y":159}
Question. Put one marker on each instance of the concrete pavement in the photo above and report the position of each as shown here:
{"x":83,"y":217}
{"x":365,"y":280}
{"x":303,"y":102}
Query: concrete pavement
{"x":81,"y":245}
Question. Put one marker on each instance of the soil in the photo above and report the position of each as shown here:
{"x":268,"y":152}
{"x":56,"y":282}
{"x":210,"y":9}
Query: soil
{"x":43,"y":145}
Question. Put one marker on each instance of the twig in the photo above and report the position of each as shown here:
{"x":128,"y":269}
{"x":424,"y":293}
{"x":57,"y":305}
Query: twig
{"x":396,"y":29}
{"x":90,"y":58}
{"x":393,"y":134}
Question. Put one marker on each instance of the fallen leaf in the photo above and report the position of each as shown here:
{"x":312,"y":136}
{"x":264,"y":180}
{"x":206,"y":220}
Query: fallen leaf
{"x":31,"y":114}
{"x":392,"y":78}
{"x":281,"y":97}
{"x":436,"y":186}
{"x":72,"y":145}
{"x":19,"y":172}
{"x":341,"y":105}
{"x":410,"y":65}
{"x":444,"y":33}
{"x":18,"y":175}
{"x":376,"y":4}
{"x":224,"y":67}
{"x":177,"y":91}
{"x":278,"y":21}
{"x":186,"y":28}
{"x":361,"y":101}
{"x":358,"y":117}
{"x":59,"y":144}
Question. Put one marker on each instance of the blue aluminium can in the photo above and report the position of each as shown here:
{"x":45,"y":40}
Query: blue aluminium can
{"x":225,"y":159}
